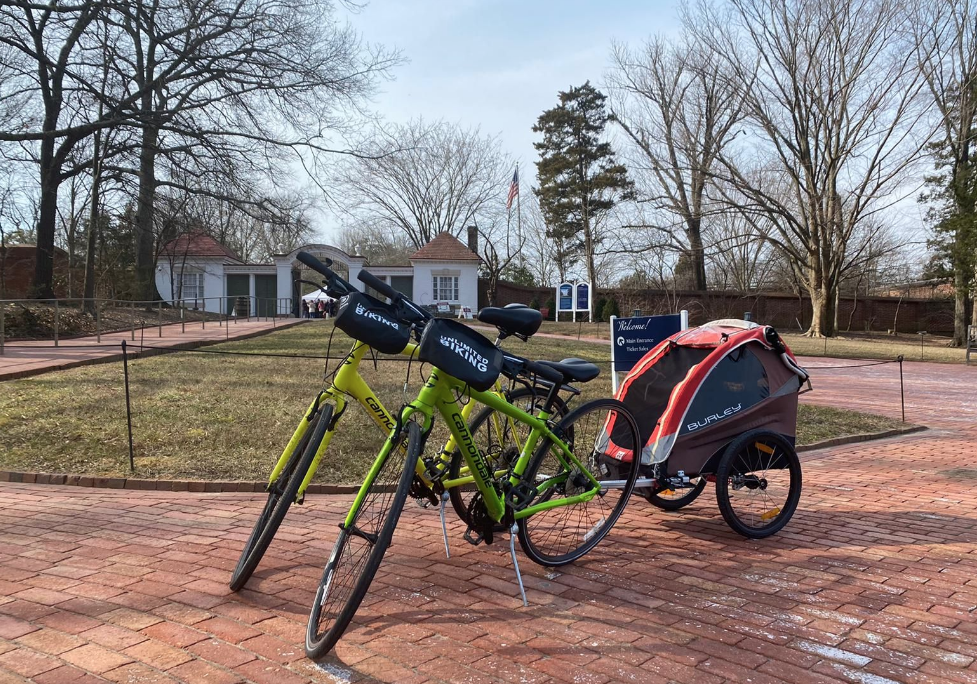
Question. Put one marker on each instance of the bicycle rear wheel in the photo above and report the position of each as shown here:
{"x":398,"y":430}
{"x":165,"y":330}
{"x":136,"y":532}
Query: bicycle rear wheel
{"x":496,"y":435}
{"x":562,"y":534}
{"x":281,"y":495}
{"x":361,"y":544}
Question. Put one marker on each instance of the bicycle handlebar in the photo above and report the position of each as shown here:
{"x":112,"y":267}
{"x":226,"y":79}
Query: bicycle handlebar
{"x":335,"y":285}
{"x":380,"y":286}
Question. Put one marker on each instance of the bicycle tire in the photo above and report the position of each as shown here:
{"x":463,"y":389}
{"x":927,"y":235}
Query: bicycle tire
{"x":684,"y":498}
{"x":461,"y":496}
{"x":731,"y":464}
{"x":537,"y":531}
{"x":317,"y":645}
{"x":280,"y":497}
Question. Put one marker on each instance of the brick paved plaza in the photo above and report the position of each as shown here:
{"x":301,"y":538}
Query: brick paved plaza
{"x":873,"y":581}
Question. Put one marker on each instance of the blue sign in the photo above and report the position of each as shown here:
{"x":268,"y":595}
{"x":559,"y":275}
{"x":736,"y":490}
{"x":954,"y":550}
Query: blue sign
{"x":566,"y":297}
{"x":632,"y":338}
{"x":583,"y":297}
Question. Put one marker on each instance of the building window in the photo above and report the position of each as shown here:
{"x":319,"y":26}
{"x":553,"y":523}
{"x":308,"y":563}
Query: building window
{"x":192,"y":285}
{"x":445,"y":288}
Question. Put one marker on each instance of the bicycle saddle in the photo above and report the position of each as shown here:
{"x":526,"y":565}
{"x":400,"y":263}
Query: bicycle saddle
{"x":574,"y":370}
{"x":520,"y":321}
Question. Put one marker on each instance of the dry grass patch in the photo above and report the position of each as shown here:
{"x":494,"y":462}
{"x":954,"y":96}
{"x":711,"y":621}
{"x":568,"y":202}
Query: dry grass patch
{"x":211,"y":416}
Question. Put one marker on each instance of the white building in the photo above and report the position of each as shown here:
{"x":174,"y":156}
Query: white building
{"x":200,"y":272}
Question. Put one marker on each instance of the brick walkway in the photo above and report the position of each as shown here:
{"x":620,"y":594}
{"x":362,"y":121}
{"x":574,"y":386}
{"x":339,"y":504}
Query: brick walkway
{"x":873,"y":581}
{"x":21,"y":359}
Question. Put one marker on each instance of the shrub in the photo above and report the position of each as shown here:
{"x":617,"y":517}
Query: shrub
{"x":551,"y":305}
{"x":610,"y":309}
{"x":534,"y":304}
{"x":599,"y":309}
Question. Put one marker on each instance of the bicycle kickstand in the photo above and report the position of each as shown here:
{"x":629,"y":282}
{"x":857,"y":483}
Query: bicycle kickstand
{"x":444,"y":527}
{"x":515,"y":562}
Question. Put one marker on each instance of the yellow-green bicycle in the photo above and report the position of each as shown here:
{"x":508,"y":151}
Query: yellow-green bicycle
{"x":557,"y":495}
{"x":497,"y":436}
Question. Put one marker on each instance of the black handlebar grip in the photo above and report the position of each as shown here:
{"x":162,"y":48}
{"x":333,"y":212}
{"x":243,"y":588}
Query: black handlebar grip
{"x":372,"y":281}
{"x":315,"y":264}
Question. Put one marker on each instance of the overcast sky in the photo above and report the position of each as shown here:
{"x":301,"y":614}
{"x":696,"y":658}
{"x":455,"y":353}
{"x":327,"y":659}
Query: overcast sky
{"x":498,"y":64}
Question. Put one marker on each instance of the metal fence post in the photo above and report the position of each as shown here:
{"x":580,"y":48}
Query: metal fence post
{"x":132,"y":320}
{"x":203,"y":316}
{"x":902,"y":389}
{"x":183,"y":318}
{"x":125,"y":370}
{"x":57,"y":320}
{"x":98,"y":321}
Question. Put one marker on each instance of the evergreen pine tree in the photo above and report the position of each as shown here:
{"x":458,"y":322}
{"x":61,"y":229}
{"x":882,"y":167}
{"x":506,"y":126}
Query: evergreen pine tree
{"x":580,"y":180}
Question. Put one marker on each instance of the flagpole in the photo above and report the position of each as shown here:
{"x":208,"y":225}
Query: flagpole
{"x":522,"y":255}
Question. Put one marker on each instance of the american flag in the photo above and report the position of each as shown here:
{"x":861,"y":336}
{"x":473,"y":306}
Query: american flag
{"x":513,"y":189}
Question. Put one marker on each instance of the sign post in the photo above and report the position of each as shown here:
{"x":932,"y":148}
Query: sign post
{"x":632,"y":338}
{"x":574,"y":297}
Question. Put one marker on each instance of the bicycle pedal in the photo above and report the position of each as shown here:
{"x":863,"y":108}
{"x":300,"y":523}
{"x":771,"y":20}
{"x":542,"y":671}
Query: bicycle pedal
{"x":422,"y":503}
{"x":473,"y":539}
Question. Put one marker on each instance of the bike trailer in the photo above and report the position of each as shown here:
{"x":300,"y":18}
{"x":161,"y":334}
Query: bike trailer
{"x":698,"y":389}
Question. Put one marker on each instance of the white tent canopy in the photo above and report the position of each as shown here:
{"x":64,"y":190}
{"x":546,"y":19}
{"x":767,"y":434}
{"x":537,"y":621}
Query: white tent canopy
{"x":316,"y":296}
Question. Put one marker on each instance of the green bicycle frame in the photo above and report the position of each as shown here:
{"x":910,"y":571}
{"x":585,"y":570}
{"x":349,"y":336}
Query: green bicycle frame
{"x":349,"y":383}
{"x":439,"y":393}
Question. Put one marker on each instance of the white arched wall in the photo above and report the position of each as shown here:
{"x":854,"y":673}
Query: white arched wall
{"x":284,"y":264}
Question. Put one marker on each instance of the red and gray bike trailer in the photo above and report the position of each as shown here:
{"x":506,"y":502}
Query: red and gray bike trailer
{"x":719,"y":404}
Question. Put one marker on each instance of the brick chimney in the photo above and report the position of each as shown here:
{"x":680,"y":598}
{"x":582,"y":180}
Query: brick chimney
{"x":473,"y":238}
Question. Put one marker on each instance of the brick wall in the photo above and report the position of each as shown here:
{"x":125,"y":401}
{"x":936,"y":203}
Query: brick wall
{"x":18,"y":272}
{"x":779,"y":310}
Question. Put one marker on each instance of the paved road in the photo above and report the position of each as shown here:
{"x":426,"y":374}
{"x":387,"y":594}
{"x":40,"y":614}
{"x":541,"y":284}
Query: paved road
{"x":21,"y":359}
{"x":873,"y":581}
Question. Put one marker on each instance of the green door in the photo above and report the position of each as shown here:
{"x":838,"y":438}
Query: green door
{"x":238,"y":289}
{"x":266,"y":292}
{"x":404,"y":285}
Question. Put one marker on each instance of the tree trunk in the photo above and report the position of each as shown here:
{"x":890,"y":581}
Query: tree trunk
{"x":817,"y":313}
{"x":959,"y":308}
{"x":698,"y":254}
{"x":46,"y":221}
{"x":591,"y":266}
{"x":146,"y":288}
{"x":93,"y":225}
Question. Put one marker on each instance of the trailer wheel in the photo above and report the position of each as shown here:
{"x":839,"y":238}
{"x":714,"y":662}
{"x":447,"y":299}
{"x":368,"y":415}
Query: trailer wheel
{"x":674,"y":499}
{"x":758,"y":483}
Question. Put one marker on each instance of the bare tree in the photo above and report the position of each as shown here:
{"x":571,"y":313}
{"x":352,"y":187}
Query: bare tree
{"x":831,"y":96}
{"x":227,"y":82}
{"x":424,"y":178}
{"x":380,"y":243}
{"x":946,"y":33}
{"x":678,"y":110}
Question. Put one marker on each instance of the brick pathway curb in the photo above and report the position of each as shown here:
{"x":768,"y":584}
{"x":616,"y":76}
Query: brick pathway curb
{"x":211,"y":486}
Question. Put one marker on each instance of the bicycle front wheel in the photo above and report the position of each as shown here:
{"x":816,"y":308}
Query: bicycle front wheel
{"x":281,"y":495}
{"x":361,"y":544}
{"x":562,"y":534}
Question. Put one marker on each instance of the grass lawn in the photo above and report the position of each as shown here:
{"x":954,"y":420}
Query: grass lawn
{"x":208,"y":416}
{"x":845,"y":346}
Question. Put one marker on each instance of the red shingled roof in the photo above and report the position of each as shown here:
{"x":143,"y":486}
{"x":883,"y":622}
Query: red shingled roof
{"x":198,"y":245}
{"x":445,"y":247}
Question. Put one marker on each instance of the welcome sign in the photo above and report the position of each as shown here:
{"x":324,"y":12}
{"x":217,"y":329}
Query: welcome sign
{"x":632,"y":338}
